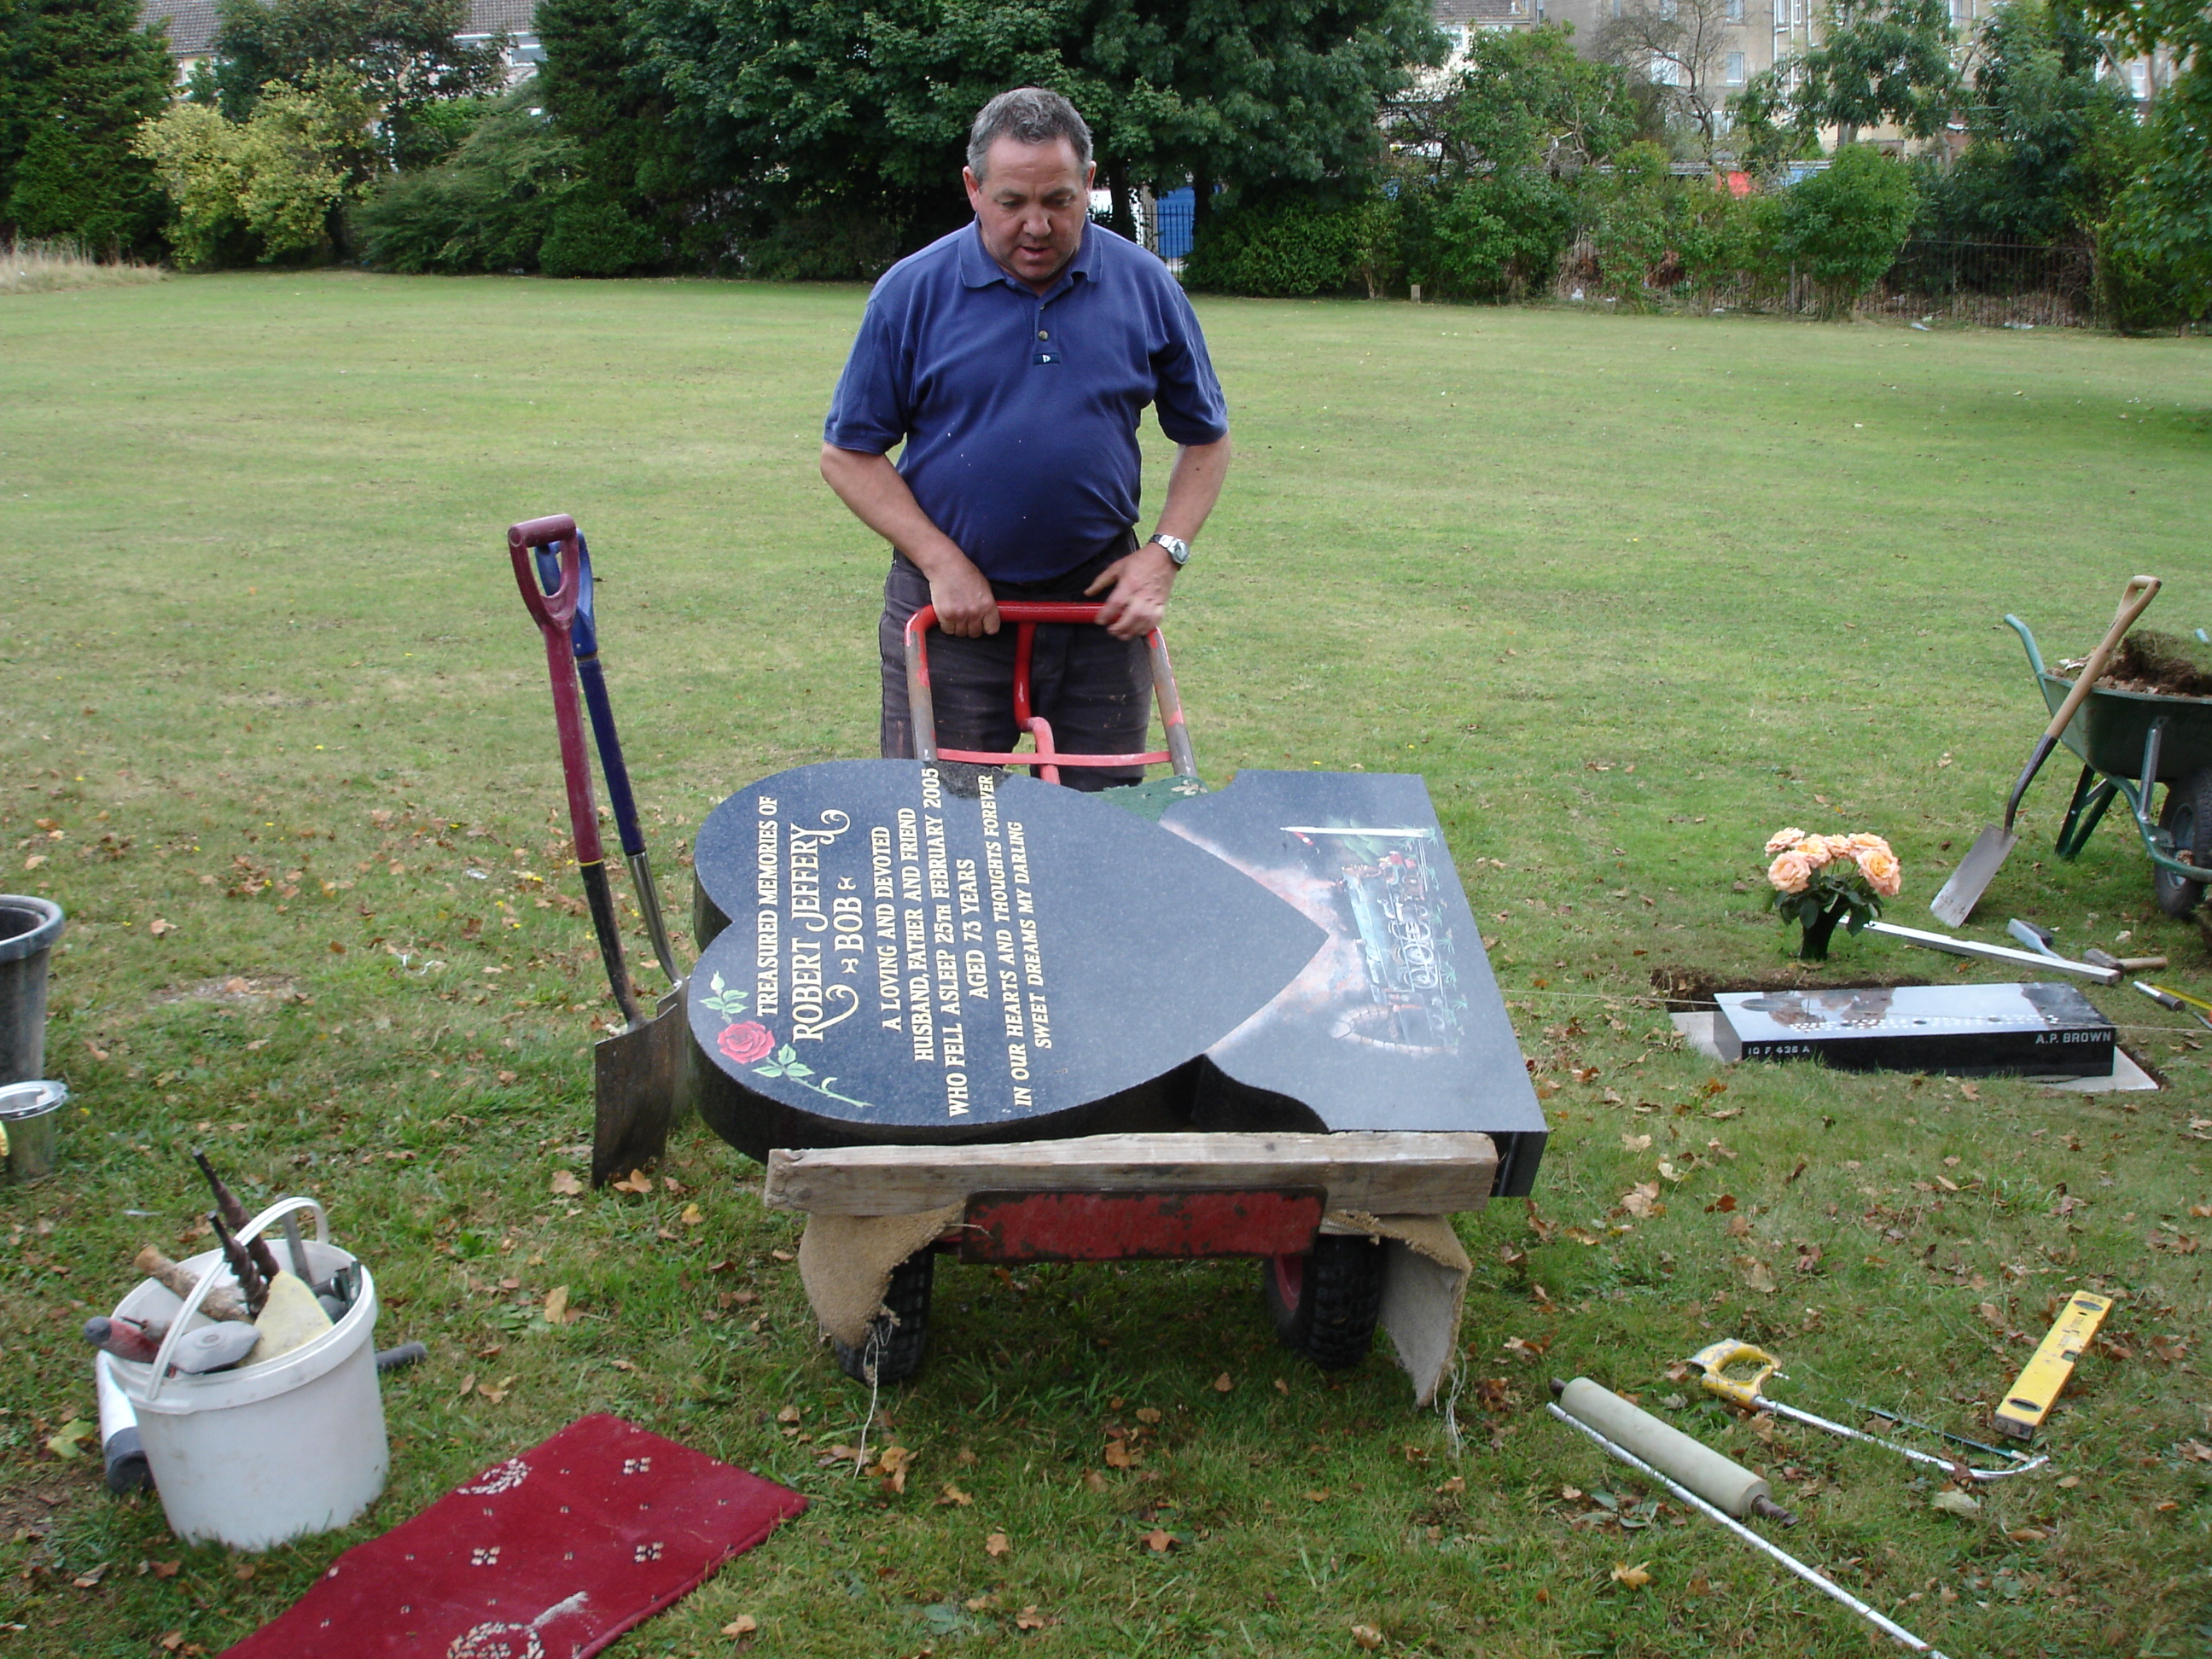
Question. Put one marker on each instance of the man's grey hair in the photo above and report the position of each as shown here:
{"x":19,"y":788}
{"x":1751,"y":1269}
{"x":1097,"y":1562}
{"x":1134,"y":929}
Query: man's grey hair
{"x":1028,"y":115}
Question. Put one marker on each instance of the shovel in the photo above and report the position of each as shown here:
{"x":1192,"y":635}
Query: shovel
{"x":636,"y":1072}
{"x":1960,"y":895}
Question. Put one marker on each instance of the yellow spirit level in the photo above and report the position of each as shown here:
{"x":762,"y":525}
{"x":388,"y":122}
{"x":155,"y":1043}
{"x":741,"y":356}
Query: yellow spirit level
{"x":2030,"y":1399}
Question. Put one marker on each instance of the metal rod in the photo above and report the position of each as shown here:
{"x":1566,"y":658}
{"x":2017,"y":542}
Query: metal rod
{"x":1967,"y":947}
{"x":1957,"y":1468}
{"x":1888,"y":1627}
{"x":1904,"y":1422}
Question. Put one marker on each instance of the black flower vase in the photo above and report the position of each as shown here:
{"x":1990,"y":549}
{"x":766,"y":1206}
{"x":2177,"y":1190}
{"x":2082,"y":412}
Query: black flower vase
{"x":1818,"y":931}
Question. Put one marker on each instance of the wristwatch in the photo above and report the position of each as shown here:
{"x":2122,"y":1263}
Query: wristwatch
{"x":1177,"y":548}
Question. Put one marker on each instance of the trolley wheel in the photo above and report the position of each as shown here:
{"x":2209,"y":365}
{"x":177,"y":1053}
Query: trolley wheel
{"x":2187,"y":818}
{"x":1325,"y":1303}
{"x":893,"y":1352}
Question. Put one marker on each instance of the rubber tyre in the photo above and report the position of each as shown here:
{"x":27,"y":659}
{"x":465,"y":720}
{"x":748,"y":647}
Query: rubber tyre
{"x":1325,"y":1303}
{"x":896,"y":1338}
{"x":2188,"y":818}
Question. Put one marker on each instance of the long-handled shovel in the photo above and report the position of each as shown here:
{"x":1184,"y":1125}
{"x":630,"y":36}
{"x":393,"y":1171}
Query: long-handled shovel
{"x":637,"y":1072}
{"x":1960,"y":895}
{"x":583,"y":631}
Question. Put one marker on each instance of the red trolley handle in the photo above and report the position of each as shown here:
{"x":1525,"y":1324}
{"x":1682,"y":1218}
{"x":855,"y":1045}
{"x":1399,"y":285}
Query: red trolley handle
{"x":1026,"y":614}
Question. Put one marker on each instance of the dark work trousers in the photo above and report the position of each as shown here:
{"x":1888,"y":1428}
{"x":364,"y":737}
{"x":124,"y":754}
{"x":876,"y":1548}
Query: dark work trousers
{"x":1094,"y":690}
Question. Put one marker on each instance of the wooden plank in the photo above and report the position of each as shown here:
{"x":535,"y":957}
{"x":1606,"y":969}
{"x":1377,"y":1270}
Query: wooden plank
{"x":1384,"y":1174}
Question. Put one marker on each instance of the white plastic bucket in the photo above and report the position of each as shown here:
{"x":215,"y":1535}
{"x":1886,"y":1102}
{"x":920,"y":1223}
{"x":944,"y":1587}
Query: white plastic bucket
{"x":254,"y":1456}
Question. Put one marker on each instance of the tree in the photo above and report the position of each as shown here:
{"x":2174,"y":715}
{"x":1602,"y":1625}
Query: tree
{"x":266,"y":187}
{"x":1524,"y":99}
{"x":76,"y":78}
{"x":1842,"y":228}
{"x":2052,"y":143}
{"x":1679,"y":48}
{"x":1878,"y":60}
{"x":404,"y":55}
{"x":2156,"y":248}
{"x":843,"y":110}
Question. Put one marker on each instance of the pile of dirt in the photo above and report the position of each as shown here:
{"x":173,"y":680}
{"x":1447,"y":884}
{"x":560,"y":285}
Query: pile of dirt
{"x":1686,"y":989}
{"x":2163,"y":664}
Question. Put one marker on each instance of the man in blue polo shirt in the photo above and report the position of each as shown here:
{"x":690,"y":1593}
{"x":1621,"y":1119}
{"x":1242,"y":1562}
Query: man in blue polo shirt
{"x":1013,"y":359}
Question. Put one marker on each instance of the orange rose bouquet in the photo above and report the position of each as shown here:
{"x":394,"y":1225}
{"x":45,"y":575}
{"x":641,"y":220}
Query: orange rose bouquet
{"x":1821,"y":880}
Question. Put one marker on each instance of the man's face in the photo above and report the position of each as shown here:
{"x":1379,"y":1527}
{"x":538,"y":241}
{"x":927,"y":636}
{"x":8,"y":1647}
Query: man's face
{"x":1031,"y":202}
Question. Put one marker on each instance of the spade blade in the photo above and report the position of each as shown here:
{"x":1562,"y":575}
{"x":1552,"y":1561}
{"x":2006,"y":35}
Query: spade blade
{"x":637,"y":1076}
{"x":1971,"y":879}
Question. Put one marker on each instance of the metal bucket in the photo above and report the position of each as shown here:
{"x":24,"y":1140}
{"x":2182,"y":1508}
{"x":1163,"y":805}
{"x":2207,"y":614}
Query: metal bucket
{"x":30,"y":1121}
{"x":28,"y":928}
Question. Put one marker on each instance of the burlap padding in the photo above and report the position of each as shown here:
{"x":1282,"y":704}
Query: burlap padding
{"x":845,"y":1261}
{"x":1424,"y":1275}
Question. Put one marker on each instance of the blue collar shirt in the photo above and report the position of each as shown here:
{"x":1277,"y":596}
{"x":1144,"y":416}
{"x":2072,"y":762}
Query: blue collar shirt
{"x":1019,"y":410}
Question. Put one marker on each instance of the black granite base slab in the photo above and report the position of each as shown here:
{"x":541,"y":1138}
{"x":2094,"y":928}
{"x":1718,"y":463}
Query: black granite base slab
{"x":930,"y":954}
{"x":2035,"y":1030}
{"x":1397,"y":1022}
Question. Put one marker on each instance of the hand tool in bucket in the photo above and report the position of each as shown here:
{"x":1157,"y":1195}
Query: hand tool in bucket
{"x":1713,"y":1363}
{"x":636,"y":1072}
{"x":1960,"y":895}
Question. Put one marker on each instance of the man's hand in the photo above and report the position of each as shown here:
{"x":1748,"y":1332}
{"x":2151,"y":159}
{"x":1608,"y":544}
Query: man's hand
{"x":1141,"y":581}
{"x":965,"y":606}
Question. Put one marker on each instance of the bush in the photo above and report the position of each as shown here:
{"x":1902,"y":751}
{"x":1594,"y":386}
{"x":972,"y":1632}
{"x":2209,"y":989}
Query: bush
{"x":1843,"y":227}
{"x":490,"y":207}
{"x":264,"y":188}
{"x":1286,"y":249}
{"x":1488,"y":239}
{"x":593,"y":236}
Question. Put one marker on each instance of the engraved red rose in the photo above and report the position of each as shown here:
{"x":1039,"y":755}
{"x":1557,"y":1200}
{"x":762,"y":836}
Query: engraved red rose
{"x":746,"y":1043}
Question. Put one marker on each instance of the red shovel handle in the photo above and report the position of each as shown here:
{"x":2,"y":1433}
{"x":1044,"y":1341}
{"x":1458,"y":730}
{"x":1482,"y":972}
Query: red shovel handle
{"x":553,"y":613}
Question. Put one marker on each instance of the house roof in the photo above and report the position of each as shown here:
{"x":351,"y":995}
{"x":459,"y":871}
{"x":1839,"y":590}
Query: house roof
{"x":1478,"y":13}
{"x":192,"y":23}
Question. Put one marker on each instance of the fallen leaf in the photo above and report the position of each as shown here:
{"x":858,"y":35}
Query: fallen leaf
{"x":892,"y":1463}
{"x":1148,"y":1414}
{"x":1991,"y":1316}
{"x":1739,"y":1226}
{"x":1637,"y":1143}
{"x":1635,"y":1578}
{"x":1158,"y":1541}
{"x":1723,"y":1205}
{"x":556,"y":1306}
{"x":635,"y":1181}
{"x":1028,"y":1618}
{"x":1223,"y":1383}
{"x":789,"y":1414}
{"x":2027,"y":1535}
{"x":2197,"y":1451}
{"x":565,"y":1184}
{"x":1456,"y":1484}
{"x":622,"y":1365}
{"x":99,"y":1053}
{"x":1951,"y":1501}
{"x":996,"y":1544}
{"x":1094,"y":1481}
{"x":1366,"y":1637}
{"x":744,"y":1624}
{"x":468,"y":1386}
{"x":1643,"y":1200}
{"x":1282,"y":1387}
{"x":1970,"y":1091}
{"x":952,"y":1494}
{"x":1808,"y":1259}
{"x":63,"y":1442}
{"x":497,"y":1391}
{"x":1756,"y":1275}
{"x":783,"y":1255}
{"x":168,"y":1569}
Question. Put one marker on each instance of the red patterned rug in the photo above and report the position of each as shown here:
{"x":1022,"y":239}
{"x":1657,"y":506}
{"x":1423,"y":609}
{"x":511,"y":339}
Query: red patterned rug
{"x":550,"y":1555}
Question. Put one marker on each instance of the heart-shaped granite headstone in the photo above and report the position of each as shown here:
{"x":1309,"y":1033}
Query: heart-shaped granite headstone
{"x":921,"y":955}
{"x":1396,"y":1023}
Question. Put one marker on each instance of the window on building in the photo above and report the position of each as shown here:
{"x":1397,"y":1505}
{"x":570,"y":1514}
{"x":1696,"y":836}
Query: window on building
{"x":2139,"y":80}
{"x":1735,"y":11}
{"x":1666,"y":11}
{"x":1735,"y":69}
{"x":1665,"y":72}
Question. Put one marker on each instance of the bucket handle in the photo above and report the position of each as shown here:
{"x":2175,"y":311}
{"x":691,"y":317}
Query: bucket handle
{"x":252,"y":1230}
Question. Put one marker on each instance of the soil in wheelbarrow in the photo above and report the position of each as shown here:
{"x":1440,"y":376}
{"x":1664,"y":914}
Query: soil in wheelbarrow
{"x":2162,"y":664}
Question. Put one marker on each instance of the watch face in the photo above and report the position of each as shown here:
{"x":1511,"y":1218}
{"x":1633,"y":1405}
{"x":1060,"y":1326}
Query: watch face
{"x":1177,"y":548}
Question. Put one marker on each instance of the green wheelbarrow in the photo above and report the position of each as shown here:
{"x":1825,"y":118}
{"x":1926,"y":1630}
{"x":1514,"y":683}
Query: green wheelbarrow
{"x":2129,"y":742}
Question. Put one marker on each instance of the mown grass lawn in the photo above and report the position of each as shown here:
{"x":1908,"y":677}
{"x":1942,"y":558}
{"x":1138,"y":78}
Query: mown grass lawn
{"x":1629,"y":592}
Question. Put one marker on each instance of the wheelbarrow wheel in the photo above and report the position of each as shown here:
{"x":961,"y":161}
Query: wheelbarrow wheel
{"x":893,"y":1352}
{"x":2187,"y":819}
{"x":1324,"y":1301}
